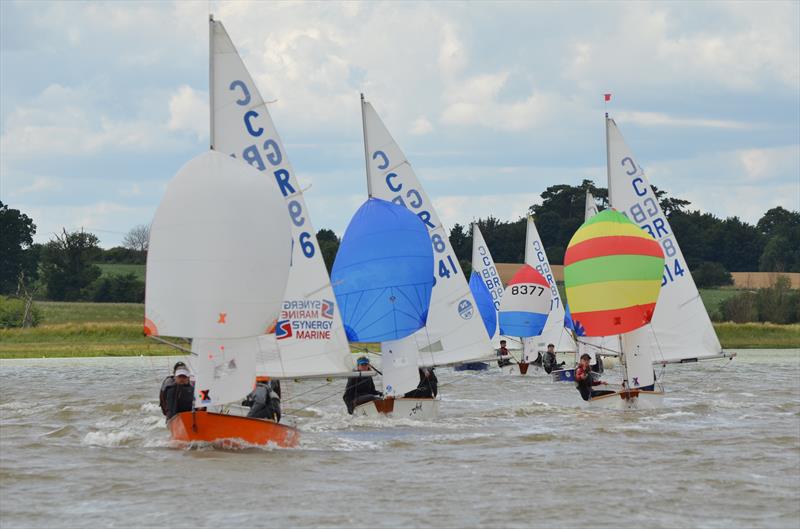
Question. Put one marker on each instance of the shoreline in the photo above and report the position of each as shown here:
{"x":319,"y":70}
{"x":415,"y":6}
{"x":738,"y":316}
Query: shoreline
{"x":125,"y":339}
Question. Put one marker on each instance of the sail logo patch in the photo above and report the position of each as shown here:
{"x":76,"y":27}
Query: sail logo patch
{"x":327,"y":309}
{"x":283,"y":329}
{"x":205,"y":396}
{"x":465,"y":309}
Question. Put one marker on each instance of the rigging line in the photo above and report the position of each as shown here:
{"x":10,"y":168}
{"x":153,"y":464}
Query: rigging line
{"x":312,"y":403}
{"x":312,"y":390}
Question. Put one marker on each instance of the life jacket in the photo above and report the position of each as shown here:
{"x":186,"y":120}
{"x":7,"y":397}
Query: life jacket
{"x":584,"y":386}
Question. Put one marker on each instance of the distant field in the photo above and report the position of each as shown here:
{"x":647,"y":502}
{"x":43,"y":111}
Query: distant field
{"x":55,"y":312}
{"x":120,"y":269}
{"x":115,"y":329}
{"x":713,"y":298}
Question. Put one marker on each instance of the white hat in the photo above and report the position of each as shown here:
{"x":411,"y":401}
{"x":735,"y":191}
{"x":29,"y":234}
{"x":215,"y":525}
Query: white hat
{"x":182,"y":371}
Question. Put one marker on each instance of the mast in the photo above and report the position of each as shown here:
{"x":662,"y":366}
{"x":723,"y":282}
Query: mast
{"x":608,"y":165}
{"x":366,"y":147}
{"x":211,"y":78}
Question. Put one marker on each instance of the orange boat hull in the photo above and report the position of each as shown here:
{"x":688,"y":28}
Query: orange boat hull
{"x":229,"y":430}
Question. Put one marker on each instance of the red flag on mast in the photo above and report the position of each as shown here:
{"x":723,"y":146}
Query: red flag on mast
{"x":607,"y":96}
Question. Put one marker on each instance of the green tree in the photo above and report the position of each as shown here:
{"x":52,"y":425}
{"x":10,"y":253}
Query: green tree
{"x":329,"y":246}
{"x":710,"y":274}
{"x":781,"y":228}
{"x":67,"y":267}
{"x":16,"y":238}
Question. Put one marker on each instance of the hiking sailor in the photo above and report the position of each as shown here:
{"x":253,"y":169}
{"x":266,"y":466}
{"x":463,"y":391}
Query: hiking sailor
{"x":265,"y":400}
{"x":360,"y":389}
{"x":584,"y":380}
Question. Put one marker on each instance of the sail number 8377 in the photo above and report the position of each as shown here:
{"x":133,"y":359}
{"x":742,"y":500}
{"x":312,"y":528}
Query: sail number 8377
{"x":526,"y":290}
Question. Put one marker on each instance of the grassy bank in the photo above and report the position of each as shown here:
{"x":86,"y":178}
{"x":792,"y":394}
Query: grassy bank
{"x":115,"y":329}
{"x":757,"y":335}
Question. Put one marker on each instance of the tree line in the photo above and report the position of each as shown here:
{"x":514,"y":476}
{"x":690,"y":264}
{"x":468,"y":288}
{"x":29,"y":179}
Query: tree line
{"x":66,"y":267}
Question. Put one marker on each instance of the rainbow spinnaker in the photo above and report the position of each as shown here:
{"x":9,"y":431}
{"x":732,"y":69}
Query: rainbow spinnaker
{"x":612,"y":272}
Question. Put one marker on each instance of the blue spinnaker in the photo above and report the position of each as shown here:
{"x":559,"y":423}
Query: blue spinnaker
{"x":483,"y":298}
{"x":383,"y":273}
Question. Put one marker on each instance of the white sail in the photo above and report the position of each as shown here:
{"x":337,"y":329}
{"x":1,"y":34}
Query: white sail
{"x":454,"y":331}
{"x":680,"y":328}
{"x":590,"y":209}
{"x":483,"y":265}
{"x":554,"y":332}
{"x":225,"y":370}
{"x":219,"y":252}
{"x":637,"y":362}
{"x":399,"y":360}
{"x":594,"y":345}
{"x":308,"y":337}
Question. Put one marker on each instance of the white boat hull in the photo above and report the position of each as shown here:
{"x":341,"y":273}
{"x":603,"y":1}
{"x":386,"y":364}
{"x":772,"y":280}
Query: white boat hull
{"x":420,"y":409}
{"x":516,"y":369}
{"x":628,"y":400}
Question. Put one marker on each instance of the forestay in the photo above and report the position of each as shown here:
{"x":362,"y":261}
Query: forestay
{"x":554,"y":331}
{"x":219,"y":252}
{"x":307,"y":337}
{"x":454,"y":331}
{"x":680,"y":328}
{"x":485,"y":271}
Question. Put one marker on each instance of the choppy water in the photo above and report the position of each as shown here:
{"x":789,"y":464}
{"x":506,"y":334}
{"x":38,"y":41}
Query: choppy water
{"x":83,"y":444}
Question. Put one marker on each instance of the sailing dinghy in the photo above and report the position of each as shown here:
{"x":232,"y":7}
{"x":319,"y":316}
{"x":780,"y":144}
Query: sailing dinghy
{"x":382,"y":280}
{"x":217,"y":266}
{"x":454,"y":331}
{"x":612,"y":274}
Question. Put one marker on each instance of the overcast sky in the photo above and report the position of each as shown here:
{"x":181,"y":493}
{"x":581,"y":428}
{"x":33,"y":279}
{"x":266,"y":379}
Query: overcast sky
{"x":101,"y":103}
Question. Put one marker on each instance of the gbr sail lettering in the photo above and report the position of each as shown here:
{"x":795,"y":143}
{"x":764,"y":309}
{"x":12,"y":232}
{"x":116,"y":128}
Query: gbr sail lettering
{"x":266,"y":153}
{"x":648,"y":215}
{"x":412,"y":199}
{"x":543,"y":267}
{"x":490,"y":277}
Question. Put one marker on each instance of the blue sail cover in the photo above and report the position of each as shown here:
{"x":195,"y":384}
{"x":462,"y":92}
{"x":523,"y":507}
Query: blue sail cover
{"x":483,"y":298}
{"x":383,"y":273}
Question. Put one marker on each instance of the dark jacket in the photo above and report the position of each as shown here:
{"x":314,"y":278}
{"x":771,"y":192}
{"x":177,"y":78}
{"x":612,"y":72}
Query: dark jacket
{"x":504,"y":357}
{"x":584,"y":382}
{"x":179,"y":398}
{"x":264,"y":401}
{"x":358,"y":387}
{"x":427,"y":388}
{"x":550,"y":362}
{"x":162,"y":394}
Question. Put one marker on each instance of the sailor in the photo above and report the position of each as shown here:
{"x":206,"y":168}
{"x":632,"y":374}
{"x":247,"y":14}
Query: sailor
{"x":265,"y":400}
{"x":180,"y":395}
{"x":503,"y":354}
{"x":550,"y":362}
{"x":427,"y":387}
{"x":584,"y":381}
{"x":360,"y":389}
{"x":168,"y":381}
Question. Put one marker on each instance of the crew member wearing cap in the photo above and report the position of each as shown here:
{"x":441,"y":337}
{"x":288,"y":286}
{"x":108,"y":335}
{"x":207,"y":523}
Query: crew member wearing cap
{"x":265,"y":400}
{"x":180,"y":395}
{"x":168,"y":381}
{"x":360,"y":389}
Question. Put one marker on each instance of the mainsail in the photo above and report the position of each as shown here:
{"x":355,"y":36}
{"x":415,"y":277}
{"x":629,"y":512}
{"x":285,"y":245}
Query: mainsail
{"x":485,"y":279}
{"x":681,"y":329}
{"x":454,"y":331}
{"x":554,"y":331}
{"x":306,"y":337}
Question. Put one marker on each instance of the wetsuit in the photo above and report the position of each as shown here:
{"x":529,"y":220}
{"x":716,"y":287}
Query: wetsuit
{"x":162,"y":394}
{"x":505,"y":357}
{"x":359,"y":390}
{"x":427,"y":388}
{"x":264,"y":401}
{"x":584,"y":382}
{"x":179,"y":398}
{"x":551,"y":362}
